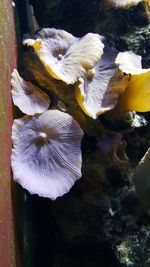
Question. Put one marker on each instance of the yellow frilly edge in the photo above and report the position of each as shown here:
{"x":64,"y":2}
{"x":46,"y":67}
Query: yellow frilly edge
{"x":80,"y":99}
{"x":38,"y":46}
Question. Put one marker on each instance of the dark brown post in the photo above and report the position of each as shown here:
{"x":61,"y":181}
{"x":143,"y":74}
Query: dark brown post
{"x":7,"y":63}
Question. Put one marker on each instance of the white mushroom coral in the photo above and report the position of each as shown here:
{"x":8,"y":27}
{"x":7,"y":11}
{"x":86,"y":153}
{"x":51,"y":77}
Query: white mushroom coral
{"x":29,"y":98}
{"x":46,"y":158}
{"x":130,"y":63}
{"x":123,"y":3}
{"x":65,"y":57}
{"x":98,"y":92}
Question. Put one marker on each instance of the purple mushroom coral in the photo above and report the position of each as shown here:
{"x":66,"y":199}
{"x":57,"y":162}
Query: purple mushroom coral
{"x":65,"y":57}
{"x":99,"y":90}
{"x":46,"y":156}
{"x":29,"y":98}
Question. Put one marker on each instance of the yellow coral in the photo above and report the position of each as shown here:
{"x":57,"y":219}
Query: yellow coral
{"x":137,"y":94}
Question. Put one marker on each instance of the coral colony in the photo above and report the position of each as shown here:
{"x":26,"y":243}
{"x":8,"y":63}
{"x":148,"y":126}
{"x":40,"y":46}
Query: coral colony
{"x":46,"y":157}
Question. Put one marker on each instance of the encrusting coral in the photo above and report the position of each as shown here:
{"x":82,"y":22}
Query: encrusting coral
{"x":29,"y":98}
{"x":65,"y":57}
{"x":46,"y":156}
